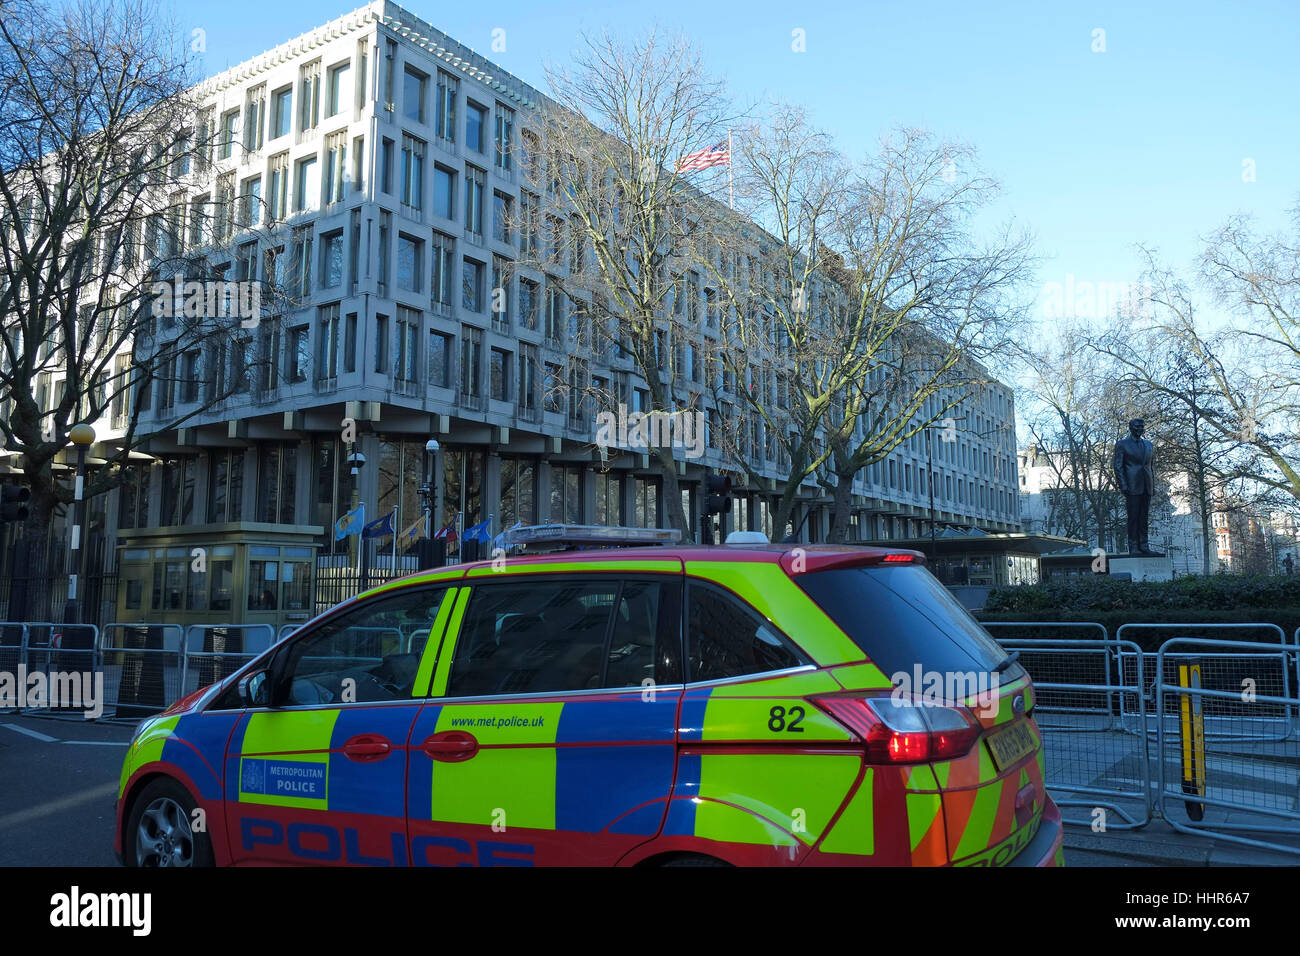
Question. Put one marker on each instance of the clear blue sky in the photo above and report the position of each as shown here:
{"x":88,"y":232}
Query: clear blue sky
{"x":1095,"y":151}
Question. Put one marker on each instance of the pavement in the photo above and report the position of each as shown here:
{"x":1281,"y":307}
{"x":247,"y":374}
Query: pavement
{"x":60,"y":785}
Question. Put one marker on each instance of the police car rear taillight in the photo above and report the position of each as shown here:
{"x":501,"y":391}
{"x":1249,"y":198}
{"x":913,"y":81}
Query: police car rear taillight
{"x":902,"y":730}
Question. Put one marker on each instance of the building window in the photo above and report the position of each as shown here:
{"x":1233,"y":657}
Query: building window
{"x":528,"y":304}
{"x":254,"y":110}
{"x":475,"y":126}
{"x":282,"y":113}
{"x":309,"y":97}
{"x":444,"y":122}
{"x":407,"y":363}
{"x":471,"y":361}
{"x":386,"y":166}
{"x":554,"y":312}
{"x":381,"y":343}
{"x":528,"y":242}
{"x":327,"y":350}
{"x":300,"y":259}
{"x":337,"y":88}
{"x":500,"y":293}
{"x":499,"y":375}
{"x":505,"y":126}
{"x":415,"y":86}
{"x":250,"y":201}
{"x":502,"y":208}
{"x":278,"y":186}
{"x":439,"y":359}
{"x":225,"y":487}
{"x":474,"y":180}
{"x":307,"y":185}
{"x":412,"y":171}
{"x":229,"y":134}
{"x":528,"y":378}
{"x":350,"y":343}
{"x":410,"y":262}
{"x":471,"y":294}
{"x":553,"y":388}
{"x":566,"y":494}
{"x":444,"y":192}
{"x":444,"y":250}
{"x":336,"y":158}
{"x":332,"y":260}
{"x":277,"y":482}
{"x":299,"y":356}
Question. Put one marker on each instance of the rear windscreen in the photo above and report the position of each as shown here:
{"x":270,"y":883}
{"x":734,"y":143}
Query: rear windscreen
{"x":902,"y":616}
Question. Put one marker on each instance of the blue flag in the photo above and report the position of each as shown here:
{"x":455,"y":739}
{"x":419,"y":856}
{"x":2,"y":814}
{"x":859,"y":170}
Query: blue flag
{"x":380,"y":527}
{"x":478,"y":532}
{"x":350,"y":523}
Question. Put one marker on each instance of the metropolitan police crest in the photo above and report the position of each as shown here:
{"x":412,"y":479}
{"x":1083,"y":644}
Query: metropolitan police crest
{"x":254,"y":780}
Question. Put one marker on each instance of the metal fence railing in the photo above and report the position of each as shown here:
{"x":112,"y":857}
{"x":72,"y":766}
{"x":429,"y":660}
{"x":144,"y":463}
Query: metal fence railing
{"x":1092,"y":762}
{"x":143,"y":666}
{"x":1241,"y":784}
{"x":215,"y":651}
{"x":1274,"y":661}
{"x":60,"y":663}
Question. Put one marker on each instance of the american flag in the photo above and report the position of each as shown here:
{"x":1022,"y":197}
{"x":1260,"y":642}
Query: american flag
{"x":717,"y":155}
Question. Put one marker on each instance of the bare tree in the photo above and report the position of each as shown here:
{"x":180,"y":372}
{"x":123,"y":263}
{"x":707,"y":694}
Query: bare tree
{"x":611,"y":214}
{"x":101,"y":141}
{"x":867,"y":307}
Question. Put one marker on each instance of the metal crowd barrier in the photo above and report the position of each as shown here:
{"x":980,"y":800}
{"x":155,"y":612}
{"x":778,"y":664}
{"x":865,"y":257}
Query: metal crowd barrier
{"x":71,"y":679}
{"x":1245,"y":779}
{"x":215,"y":651}
{"x":13,"y":652}
{"x":1274,"y":659}
{"x":143,"y":666}
{"x":1092,"y":763}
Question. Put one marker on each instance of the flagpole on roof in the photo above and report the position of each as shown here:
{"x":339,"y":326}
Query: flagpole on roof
{"x":731,"y":188}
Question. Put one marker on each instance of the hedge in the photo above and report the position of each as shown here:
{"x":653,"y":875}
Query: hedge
{"x":1218,"y":599}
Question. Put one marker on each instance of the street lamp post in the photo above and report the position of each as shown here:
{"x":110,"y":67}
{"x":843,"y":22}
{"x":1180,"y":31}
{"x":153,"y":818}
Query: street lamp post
{"x":83,"y":436}
{"x":429,"y":492}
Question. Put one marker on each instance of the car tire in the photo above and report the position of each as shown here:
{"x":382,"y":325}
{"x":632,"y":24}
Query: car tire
{"x":159,"y":831}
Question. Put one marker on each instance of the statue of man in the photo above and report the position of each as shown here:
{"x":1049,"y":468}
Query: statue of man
{"x":1136,"y":480}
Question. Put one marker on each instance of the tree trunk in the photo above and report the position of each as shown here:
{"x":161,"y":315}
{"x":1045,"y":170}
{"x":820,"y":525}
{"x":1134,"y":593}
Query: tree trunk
{"x":840,"y":514}
{"x":672,"y":507}
{"x":783,"y":515}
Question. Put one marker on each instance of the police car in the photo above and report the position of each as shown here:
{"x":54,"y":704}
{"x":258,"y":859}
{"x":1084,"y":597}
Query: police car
{"x":646,"y":704}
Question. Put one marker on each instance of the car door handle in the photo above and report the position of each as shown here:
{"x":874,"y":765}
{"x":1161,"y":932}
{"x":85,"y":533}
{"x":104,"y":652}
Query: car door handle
{"x":366,"y":747}
{"x":450,"y":746}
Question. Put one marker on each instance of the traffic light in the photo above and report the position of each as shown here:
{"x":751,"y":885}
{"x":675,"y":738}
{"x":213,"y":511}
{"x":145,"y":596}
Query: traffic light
{"x":13,"y":503}
{"x":717,"y":490}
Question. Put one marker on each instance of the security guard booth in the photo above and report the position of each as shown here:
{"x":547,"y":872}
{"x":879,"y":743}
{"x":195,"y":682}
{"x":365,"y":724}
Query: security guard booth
{"x":240,"y":573}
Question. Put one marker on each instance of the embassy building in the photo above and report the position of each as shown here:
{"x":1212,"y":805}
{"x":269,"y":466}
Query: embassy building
{"x":385,"y":156}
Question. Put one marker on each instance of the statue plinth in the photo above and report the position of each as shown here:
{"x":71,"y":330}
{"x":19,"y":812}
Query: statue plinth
{"x":1141,"y":567}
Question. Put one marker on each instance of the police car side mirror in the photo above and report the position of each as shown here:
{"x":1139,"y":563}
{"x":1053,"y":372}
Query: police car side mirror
{"x":253,"y":689}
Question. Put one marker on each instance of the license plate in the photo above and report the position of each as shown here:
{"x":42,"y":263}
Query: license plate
{"x":1011,"y":744}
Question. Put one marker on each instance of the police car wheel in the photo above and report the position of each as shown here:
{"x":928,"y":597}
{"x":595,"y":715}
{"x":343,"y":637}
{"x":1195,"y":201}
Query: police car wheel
{"x":161,"y":831}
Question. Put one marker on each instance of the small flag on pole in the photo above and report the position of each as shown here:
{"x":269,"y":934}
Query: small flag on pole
{"x":448,"y":531}
{"x":380,"y":527}
{"x":478,"y":532}
{"x":351,"y":523}
{"x":416,"y":531}
{"x":718,"y":154}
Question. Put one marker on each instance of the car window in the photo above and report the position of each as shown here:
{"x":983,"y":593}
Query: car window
{"x":562,"y":634}
{"x":370,"y":652}
{"x":902,"y":617}
{"x":728,"y":638}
